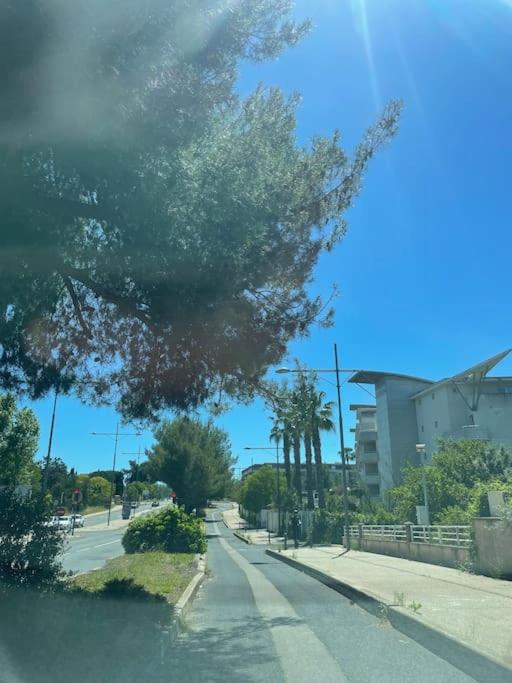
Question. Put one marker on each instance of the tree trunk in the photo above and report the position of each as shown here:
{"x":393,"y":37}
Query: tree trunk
{"x":319,"y":468}
{"x":297,"y":480}
{"x":309,"y":470}
{"x":286,"y":458}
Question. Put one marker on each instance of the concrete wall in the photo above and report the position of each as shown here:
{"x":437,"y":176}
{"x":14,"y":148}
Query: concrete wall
{"x":433,"y":416}
{"x":396,"y":426}
{"x":493,"y":546}
{"x":445,"y":555}
{"x":448,"y":409}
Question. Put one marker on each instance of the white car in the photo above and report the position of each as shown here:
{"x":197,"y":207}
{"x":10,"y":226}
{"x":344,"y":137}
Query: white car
{"x":78,"y":521}
{"x":63,"y":523}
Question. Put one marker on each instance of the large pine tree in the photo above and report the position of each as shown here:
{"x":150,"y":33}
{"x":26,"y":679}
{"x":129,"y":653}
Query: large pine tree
{"x":157,"y":231}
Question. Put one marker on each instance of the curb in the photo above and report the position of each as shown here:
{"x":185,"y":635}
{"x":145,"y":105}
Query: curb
{"x":182,"y":607}
{"x":474,"y":663}
{"x":184,"y":603}
{"x":242,"y":537}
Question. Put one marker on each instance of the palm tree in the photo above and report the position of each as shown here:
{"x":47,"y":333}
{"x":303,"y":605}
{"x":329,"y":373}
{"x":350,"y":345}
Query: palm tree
{"x":281,"y":431}
{"x":303,"y":405}
{"x":321,"y":421}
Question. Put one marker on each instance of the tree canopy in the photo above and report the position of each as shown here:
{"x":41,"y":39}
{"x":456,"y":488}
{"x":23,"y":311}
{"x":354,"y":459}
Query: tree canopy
{"x":460,"y":475}
{"x":194,"y":459}
{"x":19,"y":435}
{"x":158,"y":231}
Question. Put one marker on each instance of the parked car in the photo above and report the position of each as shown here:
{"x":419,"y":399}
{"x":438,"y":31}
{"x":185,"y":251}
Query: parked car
{"x":78,"y":521}
{"x":155,"y":504}
{"x":135,"y":504}
{"x":63,"y":523}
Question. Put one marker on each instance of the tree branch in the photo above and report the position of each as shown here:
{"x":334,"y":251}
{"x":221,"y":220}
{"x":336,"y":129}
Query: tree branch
{"x":127,"y":306}
{"x":76,"y":305}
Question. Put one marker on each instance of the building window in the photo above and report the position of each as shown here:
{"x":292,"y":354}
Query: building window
{"x":373,"y":489}
{"x":422,"y":428}
{"x":419,"y":401}
{"x":435,"y":424}
{"x":370,"y":446}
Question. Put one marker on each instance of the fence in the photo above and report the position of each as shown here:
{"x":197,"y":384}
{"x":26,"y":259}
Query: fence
{"x":445,"y":545}
{"x":456,"y":536}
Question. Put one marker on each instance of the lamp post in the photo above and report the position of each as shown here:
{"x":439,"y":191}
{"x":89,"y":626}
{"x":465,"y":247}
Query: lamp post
{"x":278,"y":482}
{"x":337,"y":371}
{"x":421,"y":450}
{"x":115,"y":434}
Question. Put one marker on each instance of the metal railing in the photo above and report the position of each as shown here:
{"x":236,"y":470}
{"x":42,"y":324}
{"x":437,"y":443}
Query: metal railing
{"x":442,"y":534}
{"x":458,"y":536}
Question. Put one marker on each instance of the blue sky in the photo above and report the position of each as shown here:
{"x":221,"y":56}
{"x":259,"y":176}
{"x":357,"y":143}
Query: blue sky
{"x":423,"y":272}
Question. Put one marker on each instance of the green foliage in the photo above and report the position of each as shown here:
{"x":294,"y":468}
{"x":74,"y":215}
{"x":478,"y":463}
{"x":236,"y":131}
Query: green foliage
{"x":142,"y":155}
{"x":170,"y":530}
{"x":19,"y":434}
{"x":458,"y":479}
{"x":134,"y":490}
{"x":194,"y":459}
{"x":327,"y":527}
{"x":258,"y":489}
{"x":29,"y":548}
{"x":98,"y":491}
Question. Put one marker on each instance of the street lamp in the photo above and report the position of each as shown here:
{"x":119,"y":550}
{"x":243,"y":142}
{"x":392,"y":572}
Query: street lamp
{"x":116,"y":434}
{"x":337,"y":371}
{"x":421,"y":451}
{"x":278,"y":483}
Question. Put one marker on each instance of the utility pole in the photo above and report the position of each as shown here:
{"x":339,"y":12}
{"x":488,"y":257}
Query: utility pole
{"x":44,"y":485}
{"x":343,"y":455}
{"x":116,"y":436}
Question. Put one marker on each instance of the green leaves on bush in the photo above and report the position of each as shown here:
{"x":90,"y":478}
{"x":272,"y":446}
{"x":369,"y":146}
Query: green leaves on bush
{"x":171,"y":530}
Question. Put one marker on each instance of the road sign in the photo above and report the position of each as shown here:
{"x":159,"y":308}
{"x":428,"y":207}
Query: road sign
{"x":60,"y":512}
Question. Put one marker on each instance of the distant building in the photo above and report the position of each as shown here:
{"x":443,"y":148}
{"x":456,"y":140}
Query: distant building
{"x":334,"y":472}
{"x":410,"y":410}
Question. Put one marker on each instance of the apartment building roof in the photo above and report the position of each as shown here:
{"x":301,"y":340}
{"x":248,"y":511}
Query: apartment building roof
{"x":371,"y":376}
{"x":362,"y":406}
{"x":476,"y":373}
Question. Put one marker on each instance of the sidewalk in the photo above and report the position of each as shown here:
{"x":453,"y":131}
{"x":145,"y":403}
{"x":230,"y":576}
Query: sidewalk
{"x":461,"y":609}
{"x":238,"y":525}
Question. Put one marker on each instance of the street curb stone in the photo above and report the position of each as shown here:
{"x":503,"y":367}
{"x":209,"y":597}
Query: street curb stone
{"x":182,"y":607}
{"x":474,"y":663}
{"x":242,"y":537}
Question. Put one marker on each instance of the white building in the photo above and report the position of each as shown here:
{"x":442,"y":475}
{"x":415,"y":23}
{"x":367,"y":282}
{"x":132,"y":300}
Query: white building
{"x":411,"y":410}
{"x":367,"y":458}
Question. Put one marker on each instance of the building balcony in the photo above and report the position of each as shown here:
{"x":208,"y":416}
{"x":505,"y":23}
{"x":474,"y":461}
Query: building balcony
{"x":371,"y":478}
{"x":368,"y":457}
{"x":469,"y":432}
{"x":366,"y":434}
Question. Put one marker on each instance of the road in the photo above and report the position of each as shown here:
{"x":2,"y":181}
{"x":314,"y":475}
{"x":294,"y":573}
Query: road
{"x":89,"y":548}
{"x":257,"y":619}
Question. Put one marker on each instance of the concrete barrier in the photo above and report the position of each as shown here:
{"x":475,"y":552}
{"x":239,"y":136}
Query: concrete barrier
{"x":446,"y":555}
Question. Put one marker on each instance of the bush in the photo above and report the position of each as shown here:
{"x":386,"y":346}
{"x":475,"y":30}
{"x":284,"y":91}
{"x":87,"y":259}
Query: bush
{"x":171,"y":530}
{"x":30,"y":549}
{"x":328,"y":527}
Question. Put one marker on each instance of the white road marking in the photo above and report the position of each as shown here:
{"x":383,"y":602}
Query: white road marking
{"x":303,"y":657}
{"x":118,"y":540}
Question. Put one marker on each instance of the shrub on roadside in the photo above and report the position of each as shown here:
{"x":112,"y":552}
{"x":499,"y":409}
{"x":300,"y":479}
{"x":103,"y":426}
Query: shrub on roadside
{"x":30,"y":549}
{"x":171,"y":530}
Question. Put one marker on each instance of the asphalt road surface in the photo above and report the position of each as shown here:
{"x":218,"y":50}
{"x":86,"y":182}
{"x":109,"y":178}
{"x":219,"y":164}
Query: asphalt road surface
{"x":90,"y":547}
{"x":257,"y":619}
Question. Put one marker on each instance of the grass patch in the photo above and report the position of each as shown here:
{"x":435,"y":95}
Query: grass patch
{"x":91,"y":509}
{"x":166,"y":574}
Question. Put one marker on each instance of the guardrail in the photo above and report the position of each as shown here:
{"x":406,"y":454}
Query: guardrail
{"x":442,"y":534}
{"x":457,"y":536}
